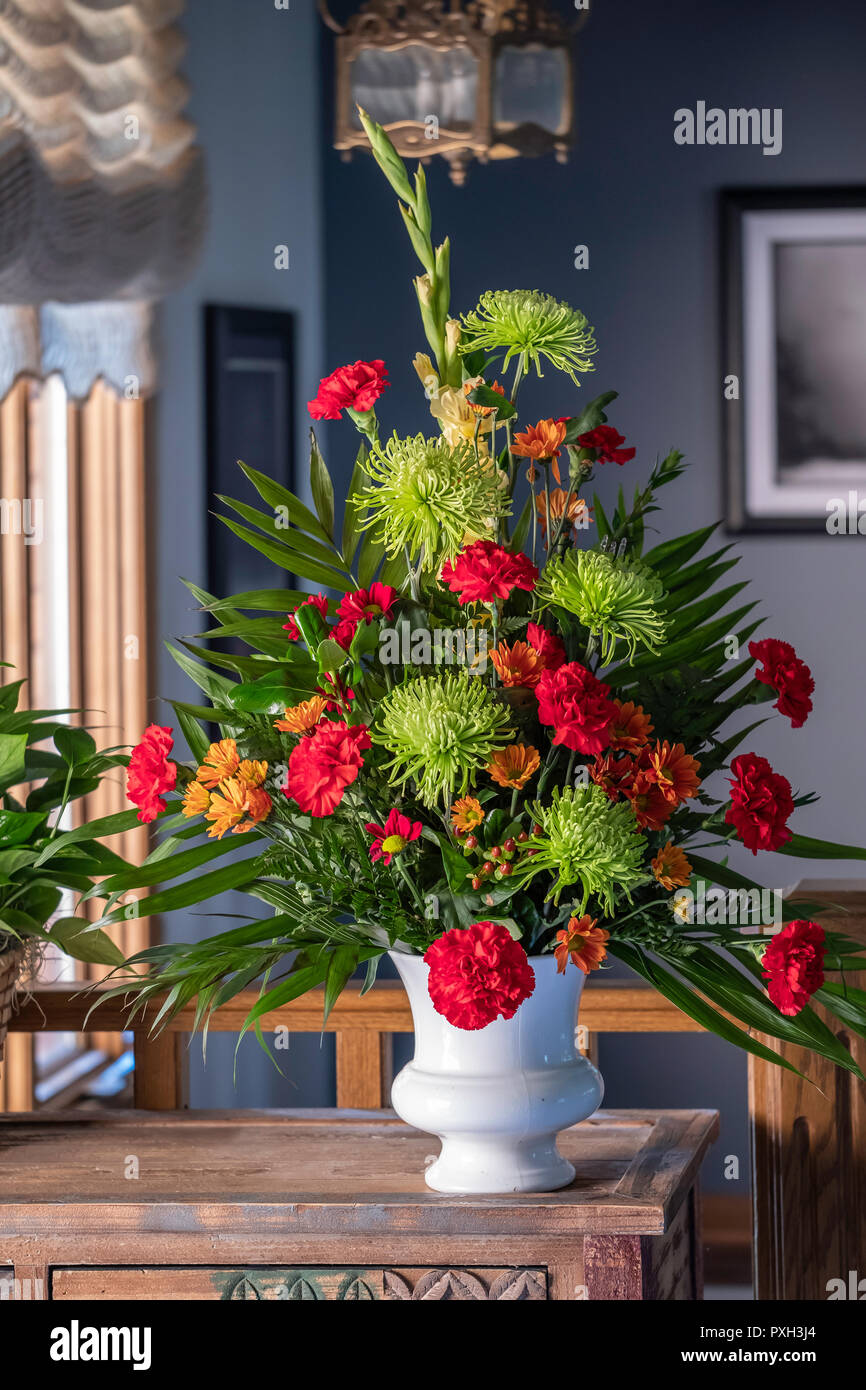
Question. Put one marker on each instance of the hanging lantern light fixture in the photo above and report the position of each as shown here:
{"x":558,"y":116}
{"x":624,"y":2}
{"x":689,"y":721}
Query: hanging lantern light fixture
{"x":482,"y":79}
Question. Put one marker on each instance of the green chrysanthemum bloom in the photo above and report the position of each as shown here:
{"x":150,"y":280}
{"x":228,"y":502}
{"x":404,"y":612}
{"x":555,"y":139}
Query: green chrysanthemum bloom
{"x":587,"y":839}
{"x":530,"y":325}
{"x":614,"y":598}
{"x":429,"y":496}
{"x":441,"y":730}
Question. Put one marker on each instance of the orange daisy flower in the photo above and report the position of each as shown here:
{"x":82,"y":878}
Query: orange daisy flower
{"x":583,"y":943}
{"x":649,"y":802}
{"x":220,"y":761}
{"x":519,"y":664}
{"x":541,"y":441}
{"x":252,"y":774}
{"x":631,"y":728}
{"x":466,"y":814}
{"x":197,"y":800}
{"x":235,"y":800}
{"x":671,"y":867}
{"x":613,"y":775}
{"x":577,"y":508}
{"x":675,"y":770}
{"x":300,"y":719}
{"x":513,"y":766}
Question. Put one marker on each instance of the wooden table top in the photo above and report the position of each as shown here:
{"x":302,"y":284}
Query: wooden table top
{"x":326,"y":1172}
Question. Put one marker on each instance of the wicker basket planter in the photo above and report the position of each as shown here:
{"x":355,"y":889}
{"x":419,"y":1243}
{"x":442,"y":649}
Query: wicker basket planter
{"x":10,"y":965}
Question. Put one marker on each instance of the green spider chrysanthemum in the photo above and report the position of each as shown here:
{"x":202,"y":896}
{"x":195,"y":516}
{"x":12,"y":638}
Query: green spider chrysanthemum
{"x":614,"y":598}
{"x":428,"y":497}
{"x":530,"y":325}
{"x":441,"y":730}
{"x":588,"y":840}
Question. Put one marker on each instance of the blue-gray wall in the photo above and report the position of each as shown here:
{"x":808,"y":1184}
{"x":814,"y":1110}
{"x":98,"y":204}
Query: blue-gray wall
{"x":646,"y":208}
{"x":255,"y":78}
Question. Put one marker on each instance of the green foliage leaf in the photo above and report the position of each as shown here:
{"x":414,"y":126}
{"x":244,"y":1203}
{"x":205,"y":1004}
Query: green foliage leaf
{"x":79,"y":939}
{"x":485,"y":395}
{"x":322,"y":488}
{"x":18,"y":826}
{"x":804,"y":847}
{"x":74,"y":745}
{"x":276,"y":496}
{"x":12,"y":749}
{"x":691,"y":1004}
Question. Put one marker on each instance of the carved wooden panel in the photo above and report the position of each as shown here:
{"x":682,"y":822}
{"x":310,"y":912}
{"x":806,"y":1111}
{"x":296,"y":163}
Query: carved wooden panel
{"x":672,"y":1261}
{"x":299,"y":1285}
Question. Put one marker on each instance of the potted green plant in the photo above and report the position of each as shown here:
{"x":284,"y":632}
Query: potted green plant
{"x":46,"y":765}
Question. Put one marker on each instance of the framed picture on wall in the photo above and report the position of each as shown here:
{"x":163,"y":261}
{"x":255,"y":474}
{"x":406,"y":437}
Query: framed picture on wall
{"x":793,"y":355}
{"x":249,"y":408}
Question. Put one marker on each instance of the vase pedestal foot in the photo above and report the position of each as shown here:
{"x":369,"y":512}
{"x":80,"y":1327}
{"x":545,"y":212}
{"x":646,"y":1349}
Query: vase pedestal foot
{"x":467,"y":1165}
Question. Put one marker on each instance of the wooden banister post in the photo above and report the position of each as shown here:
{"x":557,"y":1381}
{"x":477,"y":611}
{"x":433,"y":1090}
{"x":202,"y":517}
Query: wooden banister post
{"x":364,"y":1070}
{"x":161,"y":1077}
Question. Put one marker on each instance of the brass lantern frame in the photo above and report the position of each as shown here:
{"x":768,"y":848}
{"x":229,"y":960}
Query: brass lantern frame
{"x":483,"y":28}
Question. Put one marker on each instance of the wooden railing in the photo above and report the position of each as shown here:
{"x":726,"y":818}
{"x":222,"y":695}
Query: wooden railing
{"x":363,"y":1025}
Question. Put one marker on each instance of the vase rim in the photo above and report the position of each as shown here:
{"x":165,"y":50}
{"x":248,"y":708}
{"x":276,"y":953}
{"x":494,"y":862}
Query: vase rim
{"x":416,"y":955}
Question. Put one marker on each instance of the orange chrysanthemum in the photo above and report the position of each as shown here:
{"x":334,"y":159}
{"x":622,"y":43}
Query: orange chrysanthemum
{"x":581,"y":942}
{"x":649,"y":802}
{"x":196,"y":800}
{"x":235,"y":800}
{"x":220,"y":761}
{"x":541,"y":441}
{"x":466,"y":814}
{"x":252,"y":774}
{"x":513,"y":766}
{"x":577,"y":509}
{"x":671,"y":867}
{"x":300,"y":719}
{"x":675,"y":771}
{"x":518,"y":664}
{"x":631,"y":728}
{"x":613,"y":775}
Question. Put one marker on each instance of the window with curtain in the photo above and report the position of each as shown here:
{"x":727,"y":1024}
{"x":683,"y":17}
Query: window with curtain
{"x":102,"y":211}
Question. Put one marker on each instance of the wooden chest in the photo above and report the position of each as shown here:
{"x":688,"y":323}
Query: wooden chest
{"x":332,"y":1205}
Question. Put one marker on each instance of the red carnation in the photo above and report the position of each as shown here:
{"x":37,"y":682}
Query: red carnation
{"x":787,"y":675}
{"x":578,"y":707}
{"x":316,"y":601}
{"x":323,"y":765}
{"x":607,"y":440}
{"x":335,"y":692}
{"x":761,"y":803}
{"x":344,"y":631}
{"x":392,"y":837}
{"x":478,"y":974}
{"x":793,"y":965}
{"x":485,"y":571}
{"x":548,"y":646}
{"x":150,"y":774}
{"x":376,"y":602}
{"x":357,"y":387}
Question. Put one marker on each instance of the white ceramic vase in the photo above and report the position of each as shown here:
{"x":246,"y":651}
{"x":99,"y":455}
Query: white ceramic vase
{"x":498,"y":1096}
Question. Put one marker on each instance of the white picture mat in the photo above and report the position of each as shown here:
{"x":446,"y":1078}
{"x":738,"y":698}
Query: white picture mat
{"x":762,"y":231}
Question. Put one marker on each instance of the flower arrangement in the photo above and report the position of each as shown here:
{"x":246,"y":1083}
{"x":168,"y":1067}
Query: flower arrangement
{"x":497,"y":728}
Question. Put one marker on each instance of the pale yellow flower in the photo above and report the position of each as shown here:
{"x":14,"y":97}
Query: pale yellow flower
{"x":682,"y":907}
{"x":427,"y":374}
{"x":449,"y":406}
